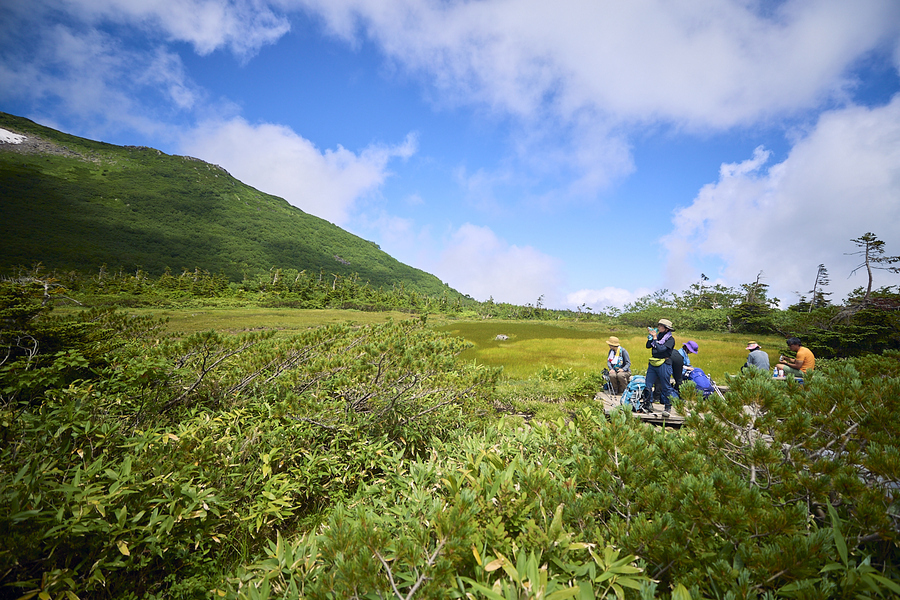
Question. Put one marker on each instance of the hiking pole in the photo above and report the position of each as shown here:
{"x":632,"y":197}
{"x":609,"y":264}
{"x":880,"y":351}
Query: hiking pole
{"x":716,"y":387}
{"x":610,"y":386}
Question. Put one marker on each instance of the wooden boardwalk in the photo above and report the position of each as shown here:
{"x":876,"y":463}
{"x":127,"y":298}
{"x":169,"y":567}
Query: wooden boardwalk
{"x":611,"y":403}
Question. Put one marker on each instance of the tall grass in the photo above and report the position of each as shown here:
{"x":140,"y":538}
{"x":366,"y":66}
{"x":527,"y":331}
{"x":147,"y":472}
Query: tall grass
{"x":530,"y":345}
{"x":582,"y":347}
{"x":241,"y":320}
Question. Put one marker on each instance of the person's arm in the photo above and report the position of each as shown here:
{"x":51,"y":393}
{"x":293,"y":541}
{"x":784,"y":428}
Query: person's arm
{"x":626,"y":360}
{"x":794,"y":363}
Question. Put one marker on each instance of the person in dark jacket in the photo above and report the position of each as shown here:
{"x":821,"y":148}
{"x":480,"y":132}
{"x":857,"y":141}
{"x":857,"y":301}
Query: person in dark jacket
{"x":659,"y":369}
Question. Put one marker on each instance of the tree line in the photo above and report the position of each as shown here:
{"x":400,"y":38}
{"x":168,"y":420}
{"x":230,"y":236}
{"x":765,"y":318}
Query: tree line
{"x":868,"y":320}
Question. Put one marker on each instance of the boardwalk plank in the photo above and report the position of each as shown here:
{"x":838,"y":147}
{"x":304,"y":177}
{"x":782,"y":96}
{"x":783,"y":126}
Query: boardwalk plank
{"x":610,"y":403}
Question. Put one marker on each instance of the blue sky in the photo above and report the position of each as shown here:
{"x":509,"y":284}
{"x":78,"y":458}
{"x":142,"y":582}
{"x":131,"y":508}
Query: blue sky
{"x":585,"y":152}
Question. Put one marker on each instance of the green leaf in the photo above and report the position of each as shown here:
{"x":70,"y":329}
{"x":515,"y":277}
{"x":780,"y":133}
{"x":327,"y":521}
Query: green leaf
{"x":555,"y":532}
{"x":484,"y":590}
{"x":562,"y":594}
{"x":681,"y":593}
{"x":888,"y":583}
{"x":839,"y":541}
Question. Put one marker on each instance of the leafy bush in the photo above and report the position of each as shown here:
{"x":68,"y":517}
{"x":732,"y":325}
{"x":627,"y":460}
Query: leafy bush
{"x":551,"y":373}
{"x":369,"y":461}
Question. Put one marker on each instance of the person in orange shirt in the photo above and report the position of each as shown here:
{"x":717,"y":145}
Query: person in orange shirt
{"x":803,"y":362}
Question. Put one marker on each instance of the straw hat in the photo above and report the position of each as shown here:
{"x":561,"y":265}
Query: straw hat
{"x":613,"y":341}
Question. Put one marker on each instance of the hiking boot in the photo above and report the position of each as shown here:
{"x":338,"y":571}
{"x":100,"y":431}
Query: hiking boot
{"x":667,"y":410}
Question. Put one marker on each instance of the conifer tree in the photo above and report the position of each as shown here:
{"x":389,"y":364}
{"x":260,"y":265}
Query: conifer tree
{"x":872,"y":251}
{"x":819,"y":298}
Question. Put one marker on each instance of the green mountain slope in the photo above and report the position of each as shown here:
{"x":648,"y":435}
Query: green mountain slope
{"x":73,"y":203}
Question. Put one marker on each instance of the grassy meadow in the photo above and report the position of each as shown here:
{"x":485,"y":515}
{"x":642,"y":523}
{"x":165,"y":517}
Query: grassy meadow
{"x":576,"y":346}
{"x":241,"y":320}
{"x":581,"y":347}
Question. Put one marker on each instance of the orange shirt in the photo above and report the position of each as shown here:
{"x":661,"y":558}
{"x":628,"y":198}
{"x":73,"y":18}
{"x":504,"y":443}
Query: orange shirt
{"x":809,"y":361}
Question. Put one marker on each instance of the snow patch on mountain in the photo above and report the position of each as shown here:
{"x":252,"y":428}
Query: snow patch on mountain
{"x":8,"y":137}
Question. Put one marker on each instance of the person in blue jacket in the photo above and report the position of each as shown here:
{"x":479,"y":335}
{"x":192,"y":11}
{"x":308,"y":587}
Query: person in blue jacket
{"x":681,"y":362}
{"x":659,"y":370}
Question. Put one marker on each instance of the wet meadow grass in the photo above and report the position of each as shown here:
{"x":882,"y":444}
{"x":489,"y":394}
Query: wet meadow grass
{"x":581,"y":346}
{"x":528,"y":348}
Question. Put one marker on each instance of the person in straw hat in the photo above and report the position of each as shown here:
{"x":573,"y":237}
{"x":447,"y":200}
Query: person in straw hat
{"x":757,"y":357}
{"x":619,"y":364}
{"x":659,"y":370}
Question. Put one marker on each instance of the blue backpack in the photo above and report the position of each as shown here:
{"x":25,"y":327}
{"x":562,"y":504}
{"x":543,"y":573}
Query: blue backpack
{"x":702,"y":381}
{"x":634,"y":391}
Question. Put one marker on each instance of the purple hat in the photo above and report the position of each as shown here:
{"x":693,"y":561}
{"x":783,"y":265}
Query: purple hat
{"x":692,"y":347}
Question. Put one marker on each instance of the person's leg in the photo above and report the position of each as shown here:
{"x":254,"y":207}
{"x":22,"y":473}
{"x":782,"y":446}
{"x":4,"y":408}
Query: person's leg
{"x":792,"y":371}
{"x":621,"y":379}
{"x":617,"y":381}
{"x":649,"y":381}
{"x":665,"y":372}
{"x":677,"y":368}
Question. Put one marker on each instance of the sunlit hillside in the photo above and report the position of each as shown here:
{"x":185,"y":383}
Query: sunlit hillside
{"x":73,"y":203}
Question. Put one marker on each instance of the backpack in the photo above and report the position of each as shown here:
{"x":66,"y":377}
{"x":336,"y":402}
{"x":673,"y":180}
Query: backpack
{"x":634,"y":391}
{"x":702,"y":381}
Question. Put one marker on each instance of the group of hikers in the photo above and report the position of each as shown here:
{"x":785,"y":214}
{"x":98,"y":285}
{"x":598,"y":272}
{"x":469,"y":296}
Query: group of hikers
{"x":668,"y":363}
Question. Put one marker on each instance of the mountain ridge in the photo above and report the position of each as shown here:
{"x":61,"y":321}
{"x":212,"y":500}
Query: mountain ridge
{"x":74,"y":203}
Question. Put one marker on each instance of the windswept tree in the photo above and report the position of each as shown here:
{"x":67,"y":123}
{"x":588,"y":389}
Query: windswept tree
{"x":872,"y":251}
{"x":757,"y":292}
{"x":754,"y":313}
{"x":819,"y":299}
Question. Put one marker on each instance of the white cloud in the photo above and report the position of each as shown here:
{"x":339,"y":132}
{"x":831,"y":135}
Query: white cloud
{"x":78,"y":70}
{"x":88,"y":76}
{"x":839,"y":182}
{"x":164,"y":71}
{"x":709,"y":62}
{"x":275,"y":160}
{"x":605,"y":298}
{"x":476,"y":262}
{"x":575,"y":76}
{"x":583,"y":70}
{"x":243,"y":26}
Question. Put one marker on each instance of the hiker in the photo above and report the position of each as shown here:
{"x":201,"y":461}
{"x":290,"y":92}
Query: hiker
{"x":804,"y":359}
{"x":659,"y":369}
{"x":681,"y":361}
{"x":757,"y":358}
{"x":619,"y":364}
